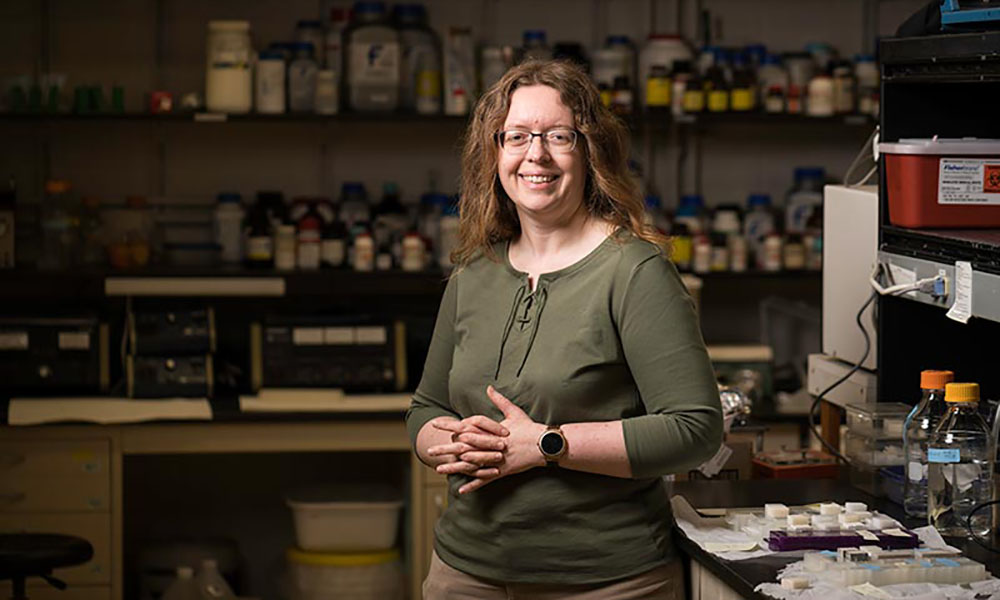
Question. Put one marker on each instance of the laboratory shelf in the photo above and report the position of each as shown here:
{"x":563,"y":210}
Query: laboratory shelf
{"x":981,"y":247}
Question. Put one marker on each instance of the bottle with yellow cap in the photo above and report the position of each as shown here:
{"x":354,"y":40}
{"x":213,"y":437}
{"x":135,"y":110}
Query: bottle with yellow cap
{"x":960,"y":457}
{"x":920,"y":424}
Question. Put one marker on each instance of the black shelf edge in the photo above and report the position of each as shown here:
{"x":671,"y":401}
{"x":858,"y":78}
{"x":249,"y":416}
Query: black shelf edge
{"x":981,"y":247}
{"x":657,"y":121}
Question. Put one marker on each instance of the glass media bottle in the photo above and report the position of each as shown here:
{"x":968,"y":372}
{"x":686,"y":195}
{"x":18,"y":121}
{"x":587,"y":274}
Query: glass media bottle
{"x":960,"y":459}
{"x":920,"y":424}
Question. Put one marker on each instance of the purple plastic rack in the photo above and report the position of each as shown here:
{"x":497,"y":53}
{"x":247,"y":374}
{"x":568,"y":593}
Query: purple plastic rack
{"x":812,"y":539}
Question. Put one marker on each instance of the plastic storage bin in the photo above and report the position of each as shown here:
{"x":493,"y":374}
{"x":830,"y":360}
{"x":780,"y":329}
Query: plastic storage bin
{"x":943,"y":182}
{"x":877,"y":419}
{"x":875,"y":452}
{"x":332,"y":521}
{"x":328,"y":576}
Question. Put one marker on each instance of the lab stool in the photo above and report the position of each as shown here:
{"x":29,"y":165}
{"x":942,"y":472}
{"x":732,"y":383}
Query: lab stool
{"x":24,"y":555}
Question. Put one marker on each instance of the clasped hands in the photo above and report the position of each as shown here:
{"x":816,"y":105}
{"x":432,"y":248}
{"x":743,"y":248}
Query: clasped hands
{"x":486,"y":450}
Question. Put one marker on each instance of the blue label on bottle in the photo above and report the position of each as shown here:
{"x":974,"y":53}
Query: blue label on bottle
{"x":944,"y":455}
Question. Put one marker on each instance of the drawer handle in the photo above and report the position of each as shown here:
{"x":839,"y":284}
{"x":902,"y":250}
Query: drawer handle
{"x":12,"y":498}
{"x":10,"y":459}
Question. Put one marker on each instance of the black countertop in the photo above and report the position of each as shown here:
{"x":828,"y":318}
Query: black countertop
{"x":744,"y":575}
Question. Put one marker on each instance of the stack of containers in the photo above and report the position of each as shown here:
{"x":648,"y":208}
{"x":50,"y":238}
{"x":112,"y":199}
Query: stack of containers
{"x":345,"y":545}
{"x":874,"y":440}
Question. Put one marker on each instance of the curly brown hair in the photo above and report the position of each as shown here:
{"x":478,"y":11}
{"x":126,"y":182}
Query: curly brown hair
{"x":487,"y":214}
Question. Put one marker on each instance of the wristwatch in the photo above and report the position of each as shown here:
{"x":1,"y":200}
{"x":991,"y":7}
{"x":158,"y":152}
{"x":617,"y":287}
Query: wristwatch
{"x":552,"y":444}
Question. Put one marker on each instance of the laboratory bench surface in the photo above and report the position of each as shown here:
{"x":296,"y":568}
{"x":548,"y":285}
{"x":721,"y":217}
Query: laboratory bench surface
{"x":744,"y":575}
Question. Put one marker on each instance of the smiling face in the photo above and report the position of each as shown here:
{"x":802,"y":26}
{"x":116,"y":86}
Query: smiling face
{"x":541,"y":182}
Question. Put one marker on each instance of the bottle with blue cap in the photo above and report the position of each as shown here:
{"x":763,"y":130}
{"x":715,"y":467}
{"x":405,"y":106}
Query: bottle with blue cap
{"x":691,"y":212}
{"x":372,"y":59}
{"x":758,"y":224}
{"x":805,"y":197}
{"x":772,"y":77}
{"x":310,"y":31}
{"x":867,"y":75}
{"x":269,"y":95}
{"x":535,"y":46}
{"x":420,"y":74}
{"x":302,"y":71}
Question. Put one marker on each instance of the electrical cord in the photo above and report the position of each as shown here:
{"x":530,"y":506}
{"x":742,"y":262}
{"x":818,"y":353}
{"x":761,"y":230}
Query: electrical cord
{"x":866,"y":151}
{"x":972,"y":534}
{"x":854,"y":369}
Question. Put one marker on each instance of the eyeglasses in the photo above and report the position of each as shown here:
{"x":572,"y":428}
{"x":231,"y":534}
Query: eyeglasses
{"x":517,"y":141}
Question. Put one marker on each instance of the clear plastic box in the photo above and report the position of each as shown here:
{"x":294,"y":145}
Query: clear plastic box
{"x":877,"y":419}
{"x":874,"y":452}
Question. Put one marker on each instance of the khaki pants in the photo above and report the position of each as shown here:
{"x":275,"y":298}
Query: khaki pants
{"x":446,"y":583}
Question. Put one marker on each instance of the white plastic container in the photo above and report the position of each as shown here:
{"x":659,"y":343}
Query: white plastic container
{"x":270,"y":89}
{"x":344,"y":526}
{"x":373,"y":59}
{"x":229,"y":228}
{"x":325,"y":576}
{"x":820,"y":102}
{"x":228,"y":76}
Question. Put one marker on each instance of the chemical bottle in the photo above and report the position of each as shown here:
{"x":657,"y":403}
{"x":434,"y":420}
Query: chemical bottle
{"x":459,"y":71}
{"x":655,"y":215}
{"x":867,"y":76}
{"x":772,"y":75}
{"x":390,"y":220}
{"x":333,"y":42}
{"x":259,"y":244}
{"x":420,"y":70}
{"x":701,"y":261}
{"x":184,"y":587}
{"x":758,"y":223}
{"x":535,"y":46}
{"x":269,"y":95}
{"x":372,"y":59}
{"x":658,"y":88}
{"x":743,"y":97}
{"x":717,"y":87}
{"x":681,"y":246}
{"x":229,"y":227}
{"x":919,"y":425}
{"x":628,"y":55}
{"x":844,"y":88}
{"x":310,"y":31}
{"x":449,"y":234}
{"x":302,"y":73}
{"x":354,"y":204}
{"x":805,"y":197}
{"x":284,"y":247}
{"x":621,"y":97}
{"x":679,"y":81}
{"x":309,"y":249}
{"x":211,"y":585}
{"x":333,"y":248}
{"x":691,"y":212}
{"x":414,"y":253}
{"x":960,"y":457}
{"x":363,"y":252}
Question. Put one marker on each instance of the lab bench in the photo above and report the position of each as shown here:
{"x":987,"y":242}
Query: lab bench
{"x":714,"y":578}
{"x":84,"y":479}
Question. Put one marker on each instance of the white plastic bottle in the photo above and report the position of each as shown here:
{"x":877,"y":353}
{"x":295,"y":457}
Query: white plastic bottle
{"x":229,"y":227}
{"x":211,"y":585}
{"x":449,"y":235}
{"x":820,"y":98}
{"x":184,"y":587}
{"x":228,"y":79}
{"x":420,"y":69}
{"x":771,"y":74}
{"x":302,"y":72}
{"x":372,"y":59}
{"x":960,"y":457}
{"x":270,"y":88}
{"x":805,"y":197}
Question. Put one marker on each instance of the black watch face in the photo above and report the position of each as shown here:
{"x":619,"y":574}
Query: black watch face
{"x":552,"y":443}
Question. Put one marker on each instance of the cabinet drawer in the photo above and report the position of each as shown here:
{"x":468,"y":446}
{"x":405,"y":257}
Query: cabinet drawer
{"x":39,"y":590}
{"x":55,"y":476}
{"x":95,"y":528}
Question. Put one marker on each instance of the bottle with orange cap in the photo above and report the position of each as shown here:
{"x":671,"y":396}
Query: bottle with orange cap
{"x":919,"y":426}
{"x":960,"y":456}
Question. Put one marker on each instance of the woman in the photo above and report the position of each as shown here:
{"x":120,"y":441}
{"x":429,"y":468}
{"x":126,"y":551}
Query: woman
{"x":567,"y":372}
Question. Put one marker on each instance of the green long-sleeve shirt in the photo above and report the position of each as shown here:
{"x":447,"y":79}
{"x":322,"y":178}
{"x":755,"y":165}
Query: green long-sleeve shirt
{"x":612,"y":337}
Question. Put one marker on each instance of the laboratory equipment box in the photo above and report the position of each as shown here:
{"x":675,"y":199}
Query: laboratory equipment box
{"x":57,"y":354}
{"x":943,"y":182}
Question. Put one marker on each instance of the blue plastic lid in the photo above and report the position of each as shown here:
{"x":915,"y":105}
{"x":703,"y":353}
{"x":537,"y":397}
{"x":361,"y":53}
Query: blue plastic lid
{"x":759,"y":200}
{"x":653,"y":201}
{"x":772,"y":59}
{"x":369,"y":8}
{"x":740,"y":59}
{"x":617,"y":40}
{"x":450,"y":209}
{"x":692,"y":200}
{"x":756,"y":51}
{"x":310,"y":23}
{"x":810,"y":173}
{"x":271,"y":54}
{"x":353,"y":187}
{"x":721,"y":55}
{"x":534,"y":35}
{"x":301,"y":46}
{"x":229,"y":197}
{"x":434,"y":198}
{"x":864,"y":58}
{"x":410,"y":11}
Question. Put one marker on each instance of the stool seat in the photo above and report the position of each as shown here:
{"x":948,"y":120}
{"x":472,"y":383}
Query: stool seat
{"x":24,"y":555}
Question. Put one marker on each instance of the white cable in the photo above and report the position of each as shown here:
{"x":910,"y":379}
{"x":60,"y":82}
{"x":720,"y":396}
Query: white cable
{"x":898,"y":289}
